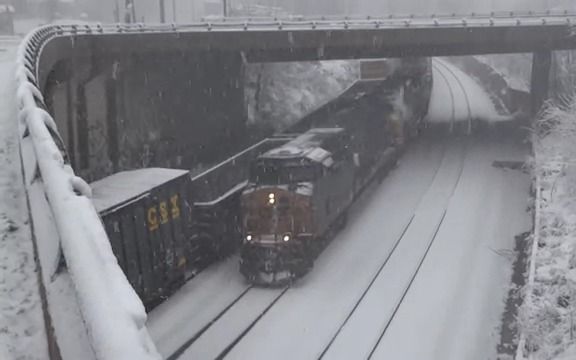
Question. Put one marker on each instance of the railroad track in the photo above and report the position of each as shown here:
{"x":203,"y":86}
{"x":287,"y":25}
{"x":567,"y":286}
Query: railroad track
{"x":462,"y":88}
{"x":436,"y":228}
{"x":264,"y":304}
{"x":367,"y":292}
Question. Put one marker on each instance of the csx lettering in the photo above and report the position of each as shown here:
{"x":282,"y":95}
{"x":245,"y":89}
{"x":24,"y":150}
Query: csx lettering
{"x":163,"y":213}
{"x":175,"y":207}
{"x":152,"y":219}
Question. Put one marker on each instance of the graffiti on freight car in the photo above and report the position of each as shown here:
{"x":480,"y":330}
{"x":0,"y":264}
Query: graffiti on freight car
{"x":163,"y":212}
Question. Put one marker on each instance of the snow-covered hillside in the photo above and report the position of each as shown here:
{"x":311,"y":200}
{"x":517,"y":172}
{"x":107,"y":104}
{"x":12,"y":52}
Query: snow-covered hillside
{"x":548,"y":316}
{"x":279,"y":94}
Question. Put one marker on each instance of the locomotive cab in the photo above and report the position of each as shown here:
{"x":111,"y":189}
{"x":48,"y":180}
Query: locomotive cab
{"x":295,"y":193}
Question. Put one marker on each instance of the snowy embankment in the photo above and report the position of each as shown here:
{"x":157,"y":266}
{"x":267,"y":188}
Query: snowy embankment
{"x":514,"y":68}
{"x":548,"y":316}
{"x":94,"y":311}
{"x":279,"y":94}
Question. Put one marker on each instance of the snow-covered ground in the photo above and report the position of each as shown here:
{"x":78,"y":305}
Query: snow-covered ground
{"x":22,"y":332}
{"x":452,"y":308}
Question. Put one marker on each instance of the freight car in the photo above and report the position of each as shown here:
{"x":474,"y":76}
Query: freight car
{"x":166,"y":225}
{"x":146,"y":214}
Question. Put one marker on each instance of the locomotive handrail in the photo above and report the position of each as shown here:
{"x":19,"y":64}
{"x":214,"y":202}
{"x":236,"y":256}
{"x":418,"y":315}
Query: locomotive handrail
{"x":114,"y":317}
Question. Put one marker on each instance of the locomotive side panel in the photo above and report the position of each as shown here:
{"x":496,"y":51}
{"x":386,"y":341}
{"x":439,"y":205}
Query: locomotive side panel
{"x":333,"y":194}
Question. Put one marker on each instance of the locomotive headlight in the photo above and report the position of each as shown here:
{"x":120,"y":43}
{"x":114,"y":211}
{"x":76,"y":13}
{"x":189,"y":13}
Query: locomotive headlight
{"x":271,"y":199}
{"x":286,"y":238}
{"x":248,"y":237}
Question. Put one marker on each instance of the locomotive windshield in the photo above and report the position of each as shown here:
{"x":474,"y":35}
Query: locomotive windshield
{"x":278,"y":172}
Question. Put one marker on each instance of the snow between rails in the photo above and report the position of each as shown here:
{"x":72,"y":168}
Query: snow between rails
{"x":113,"y":314}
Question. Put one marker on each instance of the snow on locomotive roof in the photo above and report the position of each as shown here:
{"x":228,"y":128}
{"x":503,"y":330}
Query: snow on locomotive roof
{"x":123,"y":186}
{"x":307,"y":145}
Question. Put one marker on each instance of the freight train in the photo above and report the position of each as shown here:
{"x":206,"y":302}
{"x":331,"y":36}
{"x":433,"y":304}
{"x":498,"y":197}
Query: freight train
{"x":299,"y":193}
{"x":278,"y":200}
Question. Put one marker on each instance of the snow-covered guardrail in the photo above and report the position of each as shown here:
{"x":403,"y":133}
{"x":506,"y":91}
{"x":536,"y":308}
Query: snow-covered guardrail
{"x":114,"y":317}
{"x":473,"y":15}
{"x":324,"y":23}
{"x":521,"y":353}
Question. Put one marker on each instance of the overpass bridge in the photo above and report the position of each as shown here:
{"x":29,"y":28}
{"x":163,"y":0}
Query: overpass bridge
{"x":175,"y":80}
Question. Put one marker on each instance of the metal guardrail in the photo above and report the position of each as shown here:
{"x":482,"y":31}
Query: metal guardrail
{"x":329,"y":23}
{"x":76,"y":219}
{"x":114,"y":317}
{"x":473,"y":15}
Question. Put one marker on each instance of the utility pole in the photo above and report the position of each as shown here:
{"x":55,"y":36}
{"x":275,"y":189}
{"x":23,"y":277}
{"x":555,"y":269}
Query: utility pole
{"x":129,"y":11}
{"x":162,"y":12}
{"x":225,"y":8}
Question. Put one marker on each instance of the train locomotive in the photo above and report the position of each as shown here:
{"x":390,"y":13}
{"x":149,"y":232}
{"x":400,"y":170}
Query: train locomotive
{"x":298,"y":194}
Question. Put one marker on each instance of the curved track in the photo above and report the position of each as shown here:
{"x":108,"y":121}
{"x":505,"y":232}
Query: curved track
{"x":250,"y":309}
{"x":462,"y":88}
{"x":452,"y":99}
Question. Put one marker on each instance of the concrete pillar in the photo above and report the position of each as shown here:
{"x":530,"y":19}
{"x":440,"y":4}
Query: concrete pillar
{"x":539,"y":83}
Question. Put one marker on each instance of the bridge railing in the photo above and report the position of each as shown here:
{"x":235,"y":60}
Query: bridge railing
{"x":331,"y":23}
{"x":354,"y":17}
{"x":59,"y":204}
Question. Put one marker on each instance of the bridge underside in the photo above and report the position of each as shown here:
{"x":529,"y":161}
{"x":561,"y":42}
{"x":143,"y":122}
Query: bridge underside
{"x":161,"y":109}
{"x":175,"y":99}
